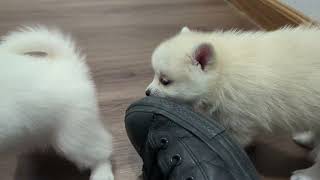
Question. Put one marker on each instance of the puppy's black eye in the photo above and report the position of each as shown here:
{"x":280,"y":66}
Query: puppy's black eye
{"x":165,"y":82}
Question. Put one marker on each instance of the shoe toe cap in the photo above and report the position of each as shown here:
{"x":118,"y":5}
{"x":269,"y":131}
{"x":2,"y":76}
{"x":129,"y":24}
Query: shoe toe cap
{"x":137,"y":126}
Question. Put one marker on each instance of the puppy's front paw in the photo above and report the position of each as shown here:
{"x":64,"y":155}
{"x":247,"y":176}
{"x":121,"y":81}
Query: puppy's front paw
{"x":305,"y":139}
{"x":102,"y":172}
{"x":102,"y":176}
{"x":301,"y":175}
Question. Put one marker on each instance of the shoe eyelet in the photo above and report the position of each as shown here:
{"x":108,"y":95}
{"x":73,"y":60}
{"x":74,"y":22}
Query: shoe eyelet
{"x":189,"y":178}
{"x":164,"y":142}
{"x":176,"y":159}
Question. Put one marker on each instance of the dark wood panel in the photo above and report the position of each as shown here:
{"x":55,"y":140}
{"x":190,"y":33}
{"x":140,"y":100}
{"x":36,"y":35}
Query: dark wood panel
{"x":271,"y":14}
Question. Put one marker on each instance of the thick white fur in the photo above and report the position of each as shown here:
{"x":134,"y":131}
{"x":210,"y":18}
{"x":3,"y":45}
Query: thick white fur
{"x":256,"y":83}
{"x":51,"y":100}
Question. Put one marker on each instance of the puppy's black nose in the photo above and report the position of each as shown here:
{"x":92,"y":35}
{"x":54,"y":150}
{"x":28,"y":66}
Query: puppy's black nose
{"x":148,"y":92}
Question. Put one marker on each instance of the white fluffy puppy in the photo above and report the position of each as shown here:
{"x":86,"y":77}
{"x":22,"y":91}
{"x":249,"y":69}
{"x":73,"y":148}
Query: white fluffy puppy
{"x":254,"y":83}
{"x":50,"y":100}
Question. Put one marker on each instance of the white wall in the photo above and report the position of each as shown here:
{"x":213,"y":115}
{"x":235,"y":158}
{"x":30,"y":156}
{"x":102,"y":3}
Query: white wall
{"x":310,"y":8}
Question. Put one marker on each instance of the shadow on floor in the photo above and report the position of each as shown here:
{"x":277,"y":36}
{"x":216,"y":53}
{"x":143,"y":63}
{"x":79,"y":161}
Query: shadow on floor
{"x":47,"y":166}
{"x":271,"y":158}
{"x":279,"y":158}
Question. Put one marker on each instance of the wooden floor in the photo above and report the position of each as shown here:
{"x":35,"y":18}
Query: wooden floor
{"x":118,"y":36}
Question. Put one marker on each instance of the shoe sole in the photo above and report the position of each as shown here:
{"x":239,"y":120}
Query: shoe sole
{"x":207,"y":130}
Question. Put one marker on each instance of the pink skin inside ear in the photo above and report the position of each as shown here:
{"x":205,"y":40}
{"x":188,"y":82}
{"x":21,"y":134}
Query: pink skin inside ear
{"x":203,"y":55}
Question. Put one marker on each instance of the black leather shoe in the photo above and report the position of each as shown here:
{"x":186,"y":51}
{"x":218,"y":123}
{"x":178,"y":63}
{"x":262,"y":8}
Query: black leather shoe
{"x":176,"y":143}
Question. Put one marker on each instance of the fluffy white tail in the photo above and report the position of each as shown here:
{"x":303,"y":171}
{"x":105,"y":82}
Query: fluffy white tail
{"x":39,"y":39}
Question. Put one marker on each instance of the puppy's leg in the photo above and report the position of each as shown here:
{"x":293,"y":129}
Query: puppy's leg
{"x":85,"y":142}
{"x":102,"y":172}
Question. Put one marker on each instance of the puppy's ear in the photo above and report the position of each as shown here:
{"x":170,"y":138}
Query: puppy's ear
{"x":203,"y":55}
{"x":185,"y":29}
